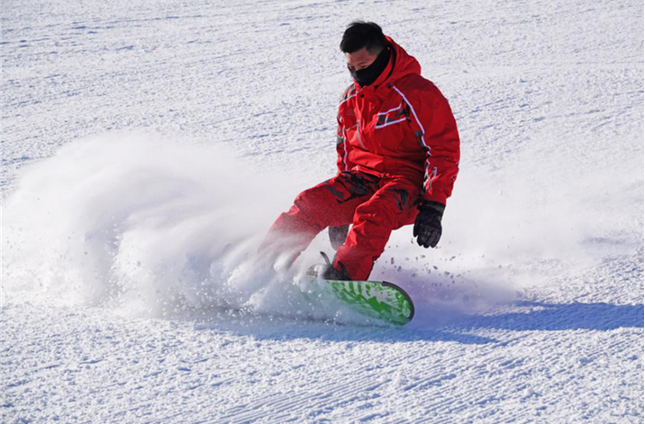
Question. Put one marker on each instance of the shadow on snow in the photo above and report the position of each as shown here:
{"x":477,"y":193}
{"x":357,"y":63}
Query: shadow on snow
{"x":539,"y":317}
{"x":559,"y":317}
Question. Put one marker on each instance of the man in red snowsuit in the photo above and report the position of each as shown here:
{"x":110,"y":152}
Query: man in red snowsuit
{"x":398,"y":156}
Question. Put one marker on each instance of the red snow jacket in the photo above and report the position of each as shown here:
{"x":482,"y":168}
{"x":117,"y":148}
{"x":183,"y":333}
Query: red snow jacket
{"x":400,"y":126}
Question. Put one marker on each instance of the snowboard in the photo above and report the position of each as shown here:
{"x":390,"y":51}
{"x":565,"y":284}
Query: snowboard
{"x":380,"y":300}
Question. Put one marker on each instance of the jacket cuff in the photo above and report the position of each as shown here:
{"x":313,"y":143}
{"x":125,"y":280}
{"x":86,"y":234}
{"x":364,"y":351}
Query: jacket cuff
{"x":438,"y":197}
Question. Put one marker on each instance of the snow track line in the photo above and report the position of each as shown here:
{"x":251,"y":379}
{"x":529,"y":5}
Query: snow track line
{"x":332,"y":396}
{"x":326,"y":397}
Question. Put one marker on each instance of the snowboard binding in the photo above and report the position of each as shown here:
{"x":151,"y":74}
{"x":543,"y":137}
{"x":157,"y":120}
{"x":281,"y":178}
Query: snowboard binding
{"x":327,"y":271}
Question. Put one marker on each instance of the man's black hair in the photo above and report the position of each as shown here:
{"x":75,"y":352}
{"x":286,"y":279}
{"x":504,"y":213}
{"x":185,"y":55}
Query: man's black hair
{"x":361,"y":34}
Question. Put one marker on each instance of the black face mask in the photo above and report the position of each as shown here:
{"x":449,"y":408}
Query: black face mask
{"x":368,"y":75}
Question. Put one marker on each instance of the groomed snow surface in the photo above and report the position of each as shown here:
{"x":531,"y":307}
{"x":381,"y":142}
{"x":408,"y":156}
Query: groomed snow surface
{"x":149,"y":145}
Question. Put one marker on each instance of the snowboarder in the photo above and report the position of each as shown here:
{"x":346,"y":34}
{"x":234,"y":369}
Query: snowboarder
{"x":398,"y":157}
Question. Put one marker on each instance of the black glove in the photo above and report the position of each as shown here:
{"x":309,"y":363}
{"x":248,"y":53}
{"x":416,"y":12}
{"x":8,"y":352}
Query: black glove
{"x":337,"y":235}
{"x":427,"y":226}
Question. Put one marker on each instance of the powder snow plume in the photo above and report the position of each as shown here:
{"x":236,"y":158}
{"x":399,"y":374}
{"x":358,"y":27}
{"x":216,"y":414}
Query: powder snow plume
{"x":142,"y":224}
{"x":153,"y":227}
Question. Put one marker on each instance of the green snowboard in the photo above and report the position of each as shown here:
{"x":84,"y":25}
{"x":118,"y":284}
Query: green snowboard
{"x":379,"y":300}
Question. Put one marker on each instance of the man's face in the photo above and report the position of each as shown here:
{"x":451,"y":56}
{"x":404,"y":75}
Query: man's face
{"x":360,"y":59}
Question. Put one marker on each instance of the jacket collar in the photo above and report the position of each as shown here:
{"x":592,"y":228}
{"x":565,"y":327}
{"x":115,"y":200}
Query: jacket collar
{"x":401,"y":64}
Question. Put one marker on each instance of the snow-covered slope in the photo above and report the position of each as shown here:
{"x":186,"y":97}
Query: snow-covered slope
{"x":147,"y":146}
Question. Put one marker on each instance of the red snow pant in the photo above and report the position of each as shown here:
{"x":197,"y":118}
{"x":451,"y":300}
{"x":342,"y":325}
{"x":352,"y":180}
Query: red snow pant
{"x":375,"y":206}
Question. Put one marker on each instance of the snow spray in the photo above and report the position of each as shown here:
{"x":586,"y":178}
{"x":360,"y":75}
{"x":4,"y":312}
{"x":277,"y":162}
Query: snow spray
{"x":139,"y":223}
{"x":154,"y":227}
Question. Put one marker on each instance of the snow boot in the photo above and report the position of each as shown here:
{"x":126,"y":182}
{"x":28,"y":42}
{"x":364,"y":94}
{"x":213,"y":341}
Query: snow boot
{"x":332,"y":273}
